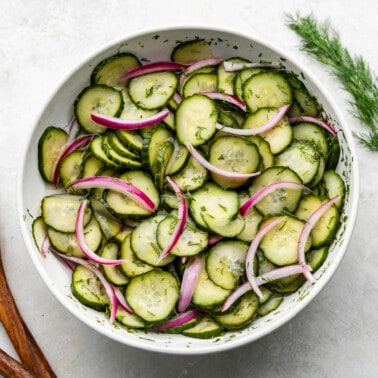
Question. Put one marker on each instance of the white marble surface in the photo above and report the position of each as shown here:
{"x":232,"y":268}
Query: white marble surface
{"x":40,"y":41}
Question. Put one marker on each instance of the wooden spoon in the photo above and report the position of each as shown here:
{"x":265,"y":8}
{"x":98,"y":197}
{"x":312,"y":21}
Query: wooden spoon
{"x":9,"y":367}
{"x":23,"y":341}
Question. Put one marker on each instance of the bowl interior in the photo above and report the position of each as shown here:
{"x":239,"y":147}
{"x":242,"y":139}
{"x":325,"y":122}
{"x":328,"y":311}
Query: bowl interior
{"x":152,"y":46}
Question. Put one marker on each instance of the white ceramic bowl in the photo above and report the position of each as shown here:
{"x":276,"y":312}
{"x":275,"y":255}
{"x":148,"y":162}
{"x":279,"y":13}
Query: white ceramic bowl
{"x":157,"y":45}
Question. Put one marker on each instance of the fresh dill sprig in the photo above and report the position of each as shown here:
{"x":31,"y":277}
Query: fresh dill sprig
{"x":321,"y":41}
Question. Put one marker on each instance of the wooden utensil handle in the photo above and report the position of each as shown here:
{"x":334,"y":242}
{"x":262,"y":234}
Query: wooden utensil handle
{"x":11,"y":368}
{"x":23,"y":341}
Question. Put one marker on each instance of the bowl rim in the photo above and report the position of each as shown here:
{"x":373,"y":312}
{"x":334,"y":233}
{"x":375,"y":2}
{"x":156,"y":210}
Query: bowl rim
{"x":206,"y":348}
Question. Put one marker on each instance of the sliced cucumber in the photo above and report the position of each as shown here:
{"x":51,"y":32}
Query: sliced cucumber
{"x":113,"y":273}
{"x":279,"y":245}
{"x":133,"y":266}
{"x":266,"y":89}
{"x":279,"y":137}
{"x":59,"y":211}
{"x":39,"y":231}
{"x":70,"y":167}
{"x":123,"y":205}
{"x":196,"y":117}
{"x":241,"y":314}
{"x":225,"y":263}
{"x":233,"y":154}
{"x":97,"y":99}
{"x":88,"y":289}
{"x":50,"y":146}
{"x":303,"y":158}
{"x":270,"y":305}
{"x":153,"y":295}
{"x":109,"y":70}
{"x":206,"y":328}
{"x":200,"y":82}
{"x":192,"y":51}
{"x":129,"y":320}
{"x":281,"y":199}
{"x":334,"y":186}
{"x":226,"y":79}
{"x":153,"y":90}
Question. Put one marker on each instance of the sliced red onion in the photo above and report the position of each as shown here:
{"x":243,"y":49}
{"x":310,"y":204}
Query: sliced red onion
{"x":150,"y":68}
{"x":107,"y":286}
{"x":73,"y":129}
{"x":129,"y":124}
{"x":251,"y":252}
{"x":272,"y":275}
{"x":45,"y":245}
{"x":266,"y":190}
{"x":317,"y":121}
{"x":234,"y":66}
{"x":177,"y":97}
{"x":272,"y":122}
{"x":70,"y":148}
{"x":177,"y":321}
{"x":227,"y":98}
{"x":306,"y":230}
{"x":207,"y":62}
{"x":188,"y":283}
{"x":122,"y":301}
{"x":117,"y":185}
{"x":201,"y":160}
{"x":80,"y":236}
{"x":182,"y":217}
{"x":214,"y":239}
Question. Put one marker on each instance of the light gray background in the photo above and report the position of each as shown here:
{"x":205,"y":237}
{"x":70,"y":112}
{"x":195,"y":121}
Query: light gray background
{"x":40,"y":42}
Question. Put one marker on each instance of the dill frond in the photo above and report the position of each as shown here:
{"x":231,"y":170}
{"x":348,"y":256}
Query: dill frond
{"x":321,"y":41}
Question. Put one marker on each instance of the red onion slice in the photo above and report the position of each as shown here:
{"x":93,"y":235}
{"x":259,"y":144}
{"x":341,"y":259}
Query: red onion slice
{"x":117,"y":185}
{"x":306,"y":230}
{"x":272,"y":275}
{"x":234,"y":66}
{"x":71,"y":147}
{"x":251,"y":252}
{"x":266,"y":190}
{"x":129,"y":124}
{"x":234,"y":100}
{"x":188,"y":283}
{"x":80,"y":236}
{"x":272,"y":122}
{"x":201,"y":160}
{"x":177,"y":321}
{"x":214,"y":239}
{"x":150,"y":68}
{"x":317,"y":121}
{"x":182,"y":216}
{"x":208,"y":62}
{"x":122,"y":301}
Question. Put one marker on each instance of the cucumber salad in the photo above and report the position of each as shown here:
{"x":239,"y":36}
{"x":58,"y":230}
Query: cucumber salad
{"x":190,"y":195}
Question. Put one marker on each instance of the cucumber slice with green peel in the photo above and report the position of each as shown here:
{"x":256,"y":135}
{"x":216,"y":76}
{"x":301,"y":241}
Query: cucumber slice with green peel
{"x":226,"y":79}
{"x":241,"y":77}
{"x":59,"y":211}
{"x":267,"y":89}
{"x":224,"y":206}
{"x":241,"y":314}
{"x":325,"y":228}
{"x":192,"y":241}
{"x":144,"y":242}
{"x":207,"y":295}
{"x":152,"y":91}
{"x":50,"y":146}
{"x":66,"y":242}
{"x":109,"y":70}
{"x":39,"y":231}
{"x":113,"y":273}
{"x":97,"y":150}
{"x":90,"y":166}
{"x":131,"y":140}
{"x":279,"y":245}
{"x":200,"y":82}
{"x":270,"y":305}
{"x":153,"y":295}
{"x":122,"y":205}
{"x":70,"y":167}
{"x":281,"y":199}
{"x":131,"y":110}
{"x":88,"y":289}
{"x":233,"y":154}
{"x":97,"y":99}
{"x":225,"y":263}
{"x":279,"y":137}
{"x":133,"y":266}
{"x":196,"y":118}
{"x":303,"y":158}
{"x":191,"y":176}
{"x":114,"y":143}
{"x":179,"y":157}
{"x":228,"y":228}
{"x":206,"y":328}
{"x":266,"y":155}
{"x":129,"y":320}
{"x":192,"y":51}
{"x":316,"y":257}
{"x":334,"y":186}
{"x":163,"y":157}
